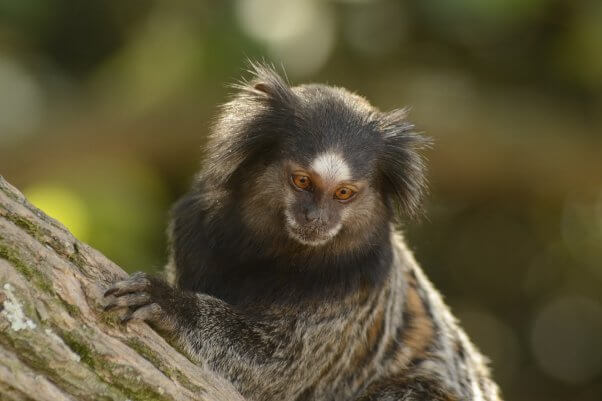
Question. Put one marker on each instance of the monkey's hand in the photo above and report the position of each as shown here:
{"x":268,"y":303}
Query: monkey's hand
{"x":194,"y":320}
{"x":144,"y":297}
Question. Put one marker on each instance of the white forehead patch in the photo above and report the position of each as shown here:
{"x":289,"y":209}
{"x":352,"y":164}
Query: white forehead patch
{"x":331,"y":167}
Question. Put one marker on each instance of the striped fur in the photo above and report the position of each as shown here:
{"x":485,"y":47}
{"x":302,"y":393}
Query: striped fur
{"x":395,"y":342}
{"x":349,"y":318}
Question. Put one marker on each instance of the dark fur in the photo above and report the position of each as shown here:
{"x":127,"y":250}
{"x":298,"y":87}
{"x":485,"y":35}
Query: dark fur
{"x":232,"y":253}
{"x":351,"y":319}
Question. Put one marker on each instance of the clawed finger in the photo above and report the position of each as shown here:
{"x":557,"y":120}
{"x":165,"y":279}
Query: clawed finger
{"x":149,"y":313}
{"x":136,"y":282}
{"x":128,"y":300}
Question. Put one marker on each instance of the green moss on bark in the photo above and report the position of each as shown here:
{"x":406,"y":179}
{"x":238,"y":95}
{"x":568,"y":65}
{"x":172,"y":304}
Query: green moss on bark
{"x":153,"y":358}
{"x":31,"y":274}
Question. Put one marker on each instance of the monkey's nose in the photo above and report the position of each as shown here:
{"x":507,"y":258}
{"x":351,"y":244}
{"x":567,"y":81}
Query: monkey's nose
{"x":311,"y":215}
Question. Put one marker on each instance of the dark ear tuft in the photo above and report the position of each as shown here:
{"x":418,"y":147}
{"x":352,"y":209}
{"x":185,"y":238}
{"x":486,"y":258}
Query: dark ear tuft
{"x":401,"y":163}
{"x":266,"y":84}
{"x":249,"y":126}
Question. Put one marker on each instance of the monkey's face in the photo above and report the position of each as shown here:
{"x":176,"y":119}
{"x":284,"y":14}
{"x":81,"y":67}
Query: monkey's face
{"x":319,"y":201}
{"x":319,"y":198}
{"x":328,"y":200}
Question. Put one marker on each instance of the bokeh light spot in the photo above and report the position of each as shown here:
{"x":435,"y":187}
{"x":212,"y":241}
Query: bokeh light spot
{"x":299,"y":33}
{"x":63,"y":205}
{"x":582,"y":233}
{"x":20,"y":101}
{"x":567,"y":341}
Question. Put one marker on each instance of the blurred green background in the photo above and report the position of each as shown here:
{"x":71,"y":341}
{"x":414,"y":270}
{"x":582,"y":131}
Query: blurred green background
{"x":104,"y":106}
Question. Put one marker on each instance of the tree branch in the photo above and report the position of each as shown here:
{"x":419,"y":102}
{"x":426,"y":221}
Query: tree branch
{"x":55,"y":341}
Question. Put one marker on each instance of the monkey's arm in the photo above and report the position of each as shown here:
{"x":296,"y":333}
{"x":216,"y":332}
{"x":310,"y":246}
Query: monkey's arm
{"x":206,"y":327}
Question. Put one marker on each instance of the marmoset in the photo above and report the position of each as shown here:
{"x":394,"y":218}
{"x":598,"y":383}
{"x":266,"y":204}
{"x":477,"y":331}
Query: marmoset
{"x":286,"y":273}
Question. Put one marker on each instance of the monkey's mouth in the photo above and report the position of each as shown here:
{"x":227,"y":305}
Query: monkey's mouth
{"x":310,"y":234}
{"x":310,"y":238}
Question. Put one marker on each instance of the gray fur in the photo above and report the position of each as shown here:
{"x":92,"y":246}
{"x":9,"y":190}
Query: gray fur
{"x":352,"y":317}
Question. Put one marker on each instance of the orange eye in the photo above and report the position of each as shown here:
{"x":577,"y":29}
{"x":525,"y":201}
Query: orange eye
{"x":344,"y":193}
{"x":301,"y":181}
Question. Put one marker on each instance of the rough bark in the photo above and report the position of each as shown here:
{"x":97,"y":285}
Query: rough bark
{"x":56,"y":343}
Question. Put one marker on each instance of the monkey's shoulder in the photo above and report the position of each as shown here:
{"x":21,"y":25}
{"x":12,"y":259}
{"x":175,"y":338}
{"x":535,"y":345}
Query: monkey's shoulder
{"x":427,"y":343}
